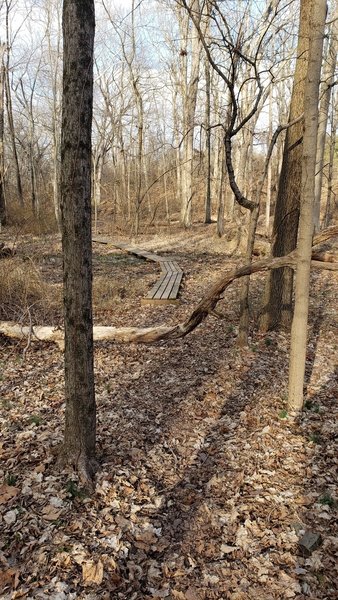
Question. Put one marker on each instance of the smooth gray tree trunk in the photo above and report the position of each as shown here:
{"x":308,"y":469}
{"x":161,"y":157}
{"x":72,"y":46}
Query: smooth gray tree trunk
{"x":306,"y":223}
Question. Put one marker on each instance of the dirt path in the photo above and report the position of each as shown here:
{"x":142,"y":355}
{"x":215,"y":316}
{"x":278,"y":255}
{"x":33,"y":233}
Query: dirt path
{"x":205,"y":488}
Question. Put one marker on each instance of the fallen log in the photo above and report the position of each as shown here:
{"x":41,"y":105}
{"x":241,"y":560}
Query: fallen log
{"x":151,"y":335}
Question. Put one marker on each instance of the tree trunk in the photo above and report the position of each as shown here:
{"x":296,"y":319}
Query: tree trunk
{"x":333,"y":140}
{"x":189,"y":91}
{"x":207,"y":212}
{"x":328,"y":82}
{"x":80,"y":426}
{"x":277,"y":309}
{"x":269,"y":175}
{"x":10,"y":120}
{"x":302,"y":283}
{"x":2,"y":122}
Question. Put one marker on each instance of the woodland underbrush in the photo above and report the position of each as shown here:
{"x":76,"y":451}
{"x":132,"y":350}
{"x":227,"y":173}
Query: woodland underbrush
{"x":23,"y":293}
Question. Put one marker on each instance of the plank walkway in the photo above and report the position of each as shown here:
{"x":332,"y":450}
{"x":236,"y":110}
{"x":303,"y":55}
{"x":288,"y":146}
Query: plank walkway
{"x":166,"y":289}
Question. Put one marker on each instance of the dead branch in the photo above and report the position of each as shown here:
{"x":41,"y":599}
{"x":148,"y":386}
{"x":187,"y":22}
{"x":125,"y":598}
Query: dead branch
{"x":325,"y":235}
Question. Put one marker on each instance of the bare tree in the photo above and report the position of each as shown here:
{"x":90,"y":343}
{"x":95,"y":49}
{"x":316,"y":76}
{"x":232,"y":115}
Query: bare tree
{"x":318,"y":10}
{"x":191,"y":46}
{"x":324,"y":106}
{"x":2,"y":159}
{"x":277,"y":303}
{"x":77,"y":100}
{"x":333,"y":139}
{"x":9,"y":106}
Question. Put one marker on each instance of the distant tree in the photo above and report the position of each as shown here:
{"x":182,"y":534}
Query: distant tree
{"x":2,"y":163}
{"x":77,"y":101}
{"x":306,"y":226}
{"x":9,"y":104}
{"x":332,"y":150}
{"x":190,"y":75}
{"x":328,"y":80}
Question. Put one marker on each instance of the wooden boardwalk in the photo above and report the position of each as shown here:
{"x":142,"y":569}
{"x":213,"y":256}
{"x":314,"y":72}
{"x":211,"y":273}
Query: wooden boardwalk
{"x":166,"y":289}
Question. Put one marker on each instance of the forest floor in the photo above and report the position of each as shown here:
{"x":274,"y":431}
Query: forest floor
{"x":205,"y":486}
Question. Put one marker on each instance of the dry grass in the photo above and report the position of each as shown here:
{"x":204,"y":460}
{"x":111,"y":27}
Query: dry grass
{"x":106,"y":292}
{"x":25,"y":296}
{"x":25,"y":222}
{"x":23,"y":293}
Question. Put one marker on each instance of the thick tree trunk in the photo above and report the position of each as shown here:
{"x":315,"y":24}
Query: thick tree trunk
{"x":277,"y":309}
{"x":80,"y":426}
{"x":302,"y":287}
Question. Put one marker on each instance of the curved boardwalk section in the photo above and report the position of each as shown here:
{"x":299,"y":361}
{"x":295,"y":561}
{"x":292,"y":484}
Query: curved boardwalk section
{"x":167,"y":287}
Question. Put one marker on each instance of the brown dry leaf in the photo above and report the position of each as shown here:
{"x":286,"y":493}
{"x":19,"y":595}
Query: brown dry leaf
{"x":92,"y":572}
{"x":192,"y":593}
{"x":178,"y":595}
{"x":63,"y":559}
{"x":50,"y":513}
{"x":146,"y":537}
{"x":225,"y":549}
{"x":9,"y":577}
{"x":7,"y":492}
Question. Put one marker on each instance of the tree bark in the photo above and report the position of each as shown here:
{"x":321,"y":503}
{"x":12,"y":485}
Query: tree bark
{"x":277,"y":309}
{"x":302,"y":283}
{"x":2,"y":158}
{"x":189,"y":89}
{"x":77,"y":100}
{"x":333,"y":140}
{"x":328,"y":82}
{"x":207,"y":204}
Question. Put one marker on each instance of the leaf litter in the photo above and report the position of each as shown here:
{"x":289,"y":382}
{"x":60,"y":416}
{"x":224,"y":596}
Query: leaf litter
{"x":206,"y":488}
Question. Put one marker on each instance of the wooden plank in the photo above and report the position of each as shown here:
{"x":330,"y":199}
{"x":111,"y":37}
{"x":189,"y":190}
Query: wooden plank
{"x":168,"y":289}
{"x":176,"y":267}
{"x":159,"y":301}
{"x":101,"y":240}
{"x":156,"y":287}
{"x":176,"y":286}
{"x":166,"y":281}
{"x":167,"y":267}
{"x":171,"y":282}
{"x":172,"y":288}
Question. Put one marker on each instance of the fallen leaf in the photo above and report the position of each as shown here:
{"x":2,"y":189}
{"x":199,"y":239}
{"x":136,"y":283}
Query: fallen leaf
{"x":192,"y":593}
{"x":7,"y":492}
{"x":10,"y":517}
{"x":227,"y":549}
{"x":50,"y":513}
{"x":92,"y":572}
{"x":178,"y":595}
{"x":9,"y":577}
